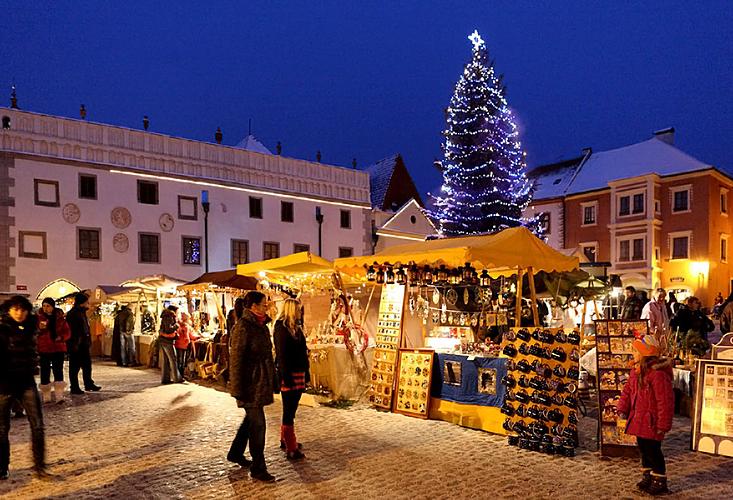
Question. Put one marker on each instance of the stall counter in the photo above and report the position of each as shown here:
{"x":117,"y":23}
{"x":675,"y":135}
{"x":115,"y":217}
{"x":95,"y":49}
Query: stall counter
{"x":332,"y":367}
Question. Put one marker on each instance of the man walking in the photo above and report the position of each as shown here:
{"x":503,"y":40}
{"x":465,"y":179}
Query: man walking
{"x":632,"y":306}
{"x":656,"y":312}
{"x":80,"y":345}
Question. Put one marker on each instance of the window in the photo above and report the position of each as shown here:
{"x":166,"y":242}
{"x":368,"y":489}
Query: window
{"x":270,"y":250}
{"x":657,"y":254}
{"x":346,"y":219}
{"x":255,"y":208}
{"x":286,"y":211}
{"x":32,"y":245}
{"x":589,"y":214}
{"x":657,"y":207}
{"x":46,"y":193}
{"x":724,"y":248}
{"x":88,"y":243}
{"x":724,"y":201}
{"x":638,"y":247}
{"x":345,"y":252}
{"x":191,"y":250}
{"x":681,"y":201}
{"x":623,"y":253}
{"x":88,"y":186}
{"x":544,"y":220}
{"x":149,"y":248}
{"x":188,"y":208}
{"x":638,"y":204}
{"x":240,"y":252}
{"x":624,"y":205}
{"x":147,"y":192}
{"x":590,"y":252}
{"x":681,"y":247}
{"x":301,"y":247}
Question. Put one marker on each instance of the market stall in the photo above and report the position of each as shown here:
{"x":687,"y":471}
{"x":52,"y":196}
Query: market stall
{"x":456,"y":297}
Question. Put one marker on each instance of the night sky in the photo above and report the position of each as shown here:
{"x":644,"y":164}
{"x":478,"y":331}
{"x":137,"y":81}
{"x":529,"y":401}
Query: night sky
{"x":368,"y":79}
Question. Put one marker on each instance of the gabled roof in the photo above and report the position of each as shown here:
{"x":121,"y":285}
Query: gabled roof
{"x":391,"y":183}
{"x":251,"y":143}
{"x":553,"y":180}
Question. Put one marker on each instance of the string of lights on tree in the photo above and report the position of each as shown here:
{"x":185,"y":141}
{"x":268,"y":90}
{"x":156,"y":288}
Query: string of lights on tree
{"x":485,"y":186}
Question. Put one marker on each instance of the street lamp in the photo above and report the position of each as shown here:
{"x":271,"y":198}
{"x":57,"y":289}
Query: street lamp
{"x":319,"y":219}
{"x":205,"y":205}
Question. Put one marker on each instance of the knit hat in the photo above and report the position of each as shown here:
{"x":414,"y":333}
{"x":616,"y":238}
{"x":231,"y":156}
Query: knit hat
{"x":80,"y":298}
{"x":647,"y":346}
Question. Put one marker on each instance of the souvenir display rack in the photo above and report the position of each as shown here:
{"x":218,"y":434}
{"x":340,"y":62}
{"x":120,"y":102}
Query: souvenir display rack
{"x":614,"y":357}
{"x":388,"y":341}
{"x":541,"y":382}
{"x":415,"y":369}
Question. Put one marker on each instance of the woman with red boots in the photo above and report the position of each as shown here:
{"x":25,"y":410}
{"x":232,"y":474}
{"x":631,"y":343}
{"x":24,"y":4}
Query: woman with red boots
{"x":647,"y":402}
{"x":53,"y":333}
{"x":291,"y":358}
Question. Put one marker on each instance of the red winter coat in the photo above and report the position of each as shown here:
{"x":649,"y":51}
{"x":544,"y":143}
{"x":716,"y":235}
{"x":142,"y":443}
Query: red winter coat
{"x":651,"y":407}
{"x":47,"y":345}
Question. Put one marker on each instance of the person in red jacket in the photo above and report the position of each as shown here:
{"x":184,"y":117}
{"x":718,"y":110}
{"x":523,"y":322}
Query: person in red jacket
{"x":184,"y":339}
{"x":647,"y":402}
{"x":53,"y":333}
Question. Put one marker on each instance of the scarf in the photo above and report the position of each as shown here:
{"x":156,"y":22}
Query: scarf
{"x":261,"y":318}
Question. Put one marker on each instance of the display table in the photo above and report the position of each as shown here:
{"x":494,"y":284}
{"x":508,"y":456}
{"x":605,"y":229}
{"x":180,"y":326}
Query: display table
{"x":334,"y":368}
{"x":467,"y":391}
{"x":142,"y":345}
{"x":683,"y":382}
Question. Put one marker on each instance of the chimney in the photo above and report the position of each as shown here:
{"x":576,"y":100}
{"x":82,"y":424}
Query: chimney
{"x":665,"y":135}
{"x":587,"y":151}
{"x":83,"y":112}
{"x":218,"y":135}
{"x":318,"y":156}
{"x":279,"y":148}
{"x":353,"y":163}
{"x":13,"y":99}
{"x":146,"y":122}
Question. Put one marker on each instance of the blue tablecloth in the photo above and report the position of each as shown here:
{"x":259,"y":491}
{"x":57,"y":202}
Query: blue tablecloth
{"x":478,"y":383}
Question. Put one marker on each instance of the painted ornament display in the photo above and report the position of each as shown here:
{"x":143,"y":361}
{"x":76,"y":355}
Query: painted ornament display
{"x":120,"y":217}
{"x":166,"y":222}
{"x":71,"y":213}
{"x":120,"y":243}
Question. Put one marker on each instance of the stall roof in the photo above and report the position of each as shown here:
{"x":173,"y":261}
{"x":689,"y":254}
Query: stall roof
{"x":297,"y":263}
{"x":501,"y":253}
{"x":223,"y":279}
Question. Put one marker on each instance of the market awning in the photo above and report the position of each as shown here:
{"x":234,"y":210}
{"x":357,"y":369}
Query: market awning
{"x":297,"y":263}
{"x":222,"y":279}
{"x":501,"y":254}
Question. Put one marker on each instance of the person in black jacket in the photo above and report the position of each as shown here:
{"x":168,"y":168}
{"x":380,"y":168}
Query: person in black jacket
{"x":691,"y":318}
{"x":80,"y":346}
{"x":18,"y":361}
{"x":252,"y":383}
{"x":291,"y":359}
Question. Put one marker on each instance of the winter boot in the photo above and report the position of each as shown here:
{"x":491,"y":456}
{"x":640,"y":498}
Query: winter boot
{"x":658,"y":486}
{"x":293,"y":453}
{"x":45,"y":393}
{"x":283,"y":446}
{"x":58,"y":391}
{"x":646,"y":479}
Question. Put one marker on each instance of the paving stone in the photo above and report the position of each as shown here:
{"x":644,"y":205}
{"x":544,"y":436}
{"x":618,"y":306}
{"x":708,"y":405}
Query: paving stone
{"x":138,"y":439}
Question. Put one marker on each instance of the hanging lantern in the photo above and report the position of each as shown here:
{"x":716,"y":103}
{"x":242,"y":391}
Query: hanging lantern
{"x":400,"y":276}
{"x":468,"y":273}
{"x":485,"y":280}
{"x":380,"y":276}
{"x":459,"y":272}
{"x":413,"y":274}
{"x":389,"y":276}
{"x":455,"y":277}
{"x":427,"y":276}
{"x":442,"y":274}
{"x":371,"y":274}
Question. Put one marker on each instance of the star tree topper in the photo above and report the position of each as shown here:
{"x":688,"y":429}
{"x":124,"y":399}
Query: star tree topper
{"x":477,"y":41}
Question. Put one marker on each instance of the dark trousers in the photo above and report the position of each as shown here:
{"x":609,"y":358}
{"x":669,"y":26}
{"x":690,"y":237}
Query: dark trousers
{"x":651,"y":455}
{"x":55,"y":361}
{"x":81,"y":359}
{"x":181,"y":360}
{"x":252,"y":430}
{"x":169,"y":365}
{"x":31,"y":402}
{"x":290,"y":405}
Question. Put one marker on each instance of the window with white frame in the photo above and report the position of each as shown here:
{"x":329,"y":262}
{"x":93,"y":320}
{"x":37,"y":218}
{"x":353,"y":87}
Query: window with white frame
{"x":679,"y":244}
{"x":631,"y":203}
{"x":631,"y":249}
{"x":589,"y":212}
{"x":638,"y":205}
{"x":657,"y":206}
{"x":723,"y":248}
{"x":724,"y":201}
{"x":624,"y":205}
{"x":681,"y":198}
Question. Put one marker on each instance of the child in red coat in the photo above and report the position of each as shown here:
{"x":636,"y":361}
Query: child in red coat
{"x":648,"y":403}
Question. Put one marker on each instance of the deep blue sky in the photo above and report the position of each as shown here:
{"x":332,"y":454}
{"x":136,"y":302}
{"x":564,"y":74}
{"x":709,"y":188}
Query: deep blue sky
{"x":368,"y":79}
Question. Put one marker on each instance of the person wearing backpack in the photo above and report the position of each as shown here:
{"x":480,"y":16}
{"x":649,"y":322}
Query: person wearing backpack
{"x":166,"y":338}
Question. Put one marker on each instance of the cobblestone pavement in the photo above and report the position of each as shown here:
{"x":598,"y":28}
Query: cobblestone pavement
{"x":137,"y":439}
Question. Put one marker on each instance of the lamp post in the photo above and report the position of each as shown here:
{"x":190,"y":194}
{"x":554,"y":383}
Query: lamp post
{"x":319,"y":219}
{"x":205,"y":205}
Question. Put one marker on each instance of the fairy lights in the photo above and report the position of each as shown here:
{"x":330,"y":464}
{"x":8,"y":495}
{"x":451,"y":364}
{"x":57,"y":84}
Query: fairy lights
{"x":485,"y":187}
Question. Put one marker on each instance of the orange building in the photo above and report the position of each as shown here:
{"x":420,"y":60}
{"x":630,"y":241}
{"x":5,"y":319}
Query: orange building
{"x":659,"y":216}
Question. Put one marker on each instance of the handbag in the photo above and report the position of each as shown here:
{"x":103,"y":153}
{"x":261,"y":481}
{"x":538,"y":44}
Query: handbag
{"x":207,"y":369}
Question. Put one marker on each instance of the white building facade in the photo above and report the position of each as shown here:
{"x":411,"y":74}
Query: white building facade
{"x":99,"y":204}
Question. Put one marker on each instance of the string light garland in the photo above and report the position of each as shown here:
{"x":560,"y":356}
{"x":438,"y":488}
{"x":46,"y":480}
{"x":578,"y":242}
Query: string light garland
{"x":485,"y":186}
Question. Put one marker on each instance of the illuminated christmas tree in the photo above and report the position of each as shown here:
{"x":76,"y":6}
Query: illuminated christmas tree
{"x":485,"y":187}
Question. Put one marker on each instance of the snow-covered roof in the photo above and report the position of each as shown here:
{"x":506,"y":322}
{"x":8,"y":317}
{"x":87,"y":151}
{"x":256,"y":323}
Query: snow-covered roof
{"x":250,"y":143}
{"x":552,"y":181}
{"x":653,"y":156}
{"x":380,"y":175}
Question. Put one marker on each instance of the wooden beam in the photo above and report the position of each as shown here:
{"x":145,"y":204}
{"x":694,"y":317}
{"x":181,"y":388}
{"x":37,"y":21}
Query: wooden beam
{"x":518,"y":305}
{"x":533,"y":297}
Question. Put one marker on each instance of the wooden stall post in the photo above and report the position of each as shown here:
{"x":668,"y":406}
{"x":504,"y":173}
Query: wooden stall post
{"x":533,"y":297}
{"x":518,"y":305}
